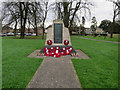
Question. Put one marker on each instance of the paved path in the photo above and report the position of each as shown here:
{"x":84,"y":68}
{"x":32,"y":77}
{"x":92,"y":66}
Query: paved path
{"x":100,"y":40}
{"x":55,"y":73}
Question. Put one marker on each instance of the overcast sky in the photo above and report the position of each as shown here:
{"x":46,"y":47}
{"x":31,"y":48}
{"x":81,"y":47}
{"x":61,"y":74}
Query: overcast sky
{"x":102,"y":9}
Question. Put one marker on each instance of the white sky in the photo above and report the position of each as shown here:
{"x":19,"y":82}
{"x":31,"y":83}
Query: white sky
{"x":102,"y":9}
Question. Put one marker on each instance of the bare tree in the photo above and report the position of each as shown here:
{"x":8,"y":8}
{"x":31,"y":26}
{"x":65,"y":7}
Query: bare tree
{"x":68,"y":10}
{"x":11,"y":13}
{"x":17,"y":11}
{"x":45,"y":6}
{"x":116,"y":12}
{"x":45,"y":11}
{"x":23,"y":7}
{"x":39,"y":15}
{"x":18,"y":14}
{"x":82,"y":26}
{"x":15,"y":15}
{"x":35,"y":15}
{"x":94,"y":25}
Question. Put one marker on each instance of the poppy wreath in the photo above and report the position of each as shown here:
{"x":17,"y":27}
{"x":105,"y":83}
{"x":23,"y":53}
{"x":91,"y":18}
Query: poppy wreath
{"x":52,"y":49}
{"x":66,"y":42}
{"x":67,"y":52}
{"x":57,"y":49}
{"x":49,"y":42}
{"x":57,"y":52}
{"x":57,"y":55}
{"x":46,"y":51}
{"x":63,"y":50}
{"x":70,"y":49}
{"x":52,"y":54}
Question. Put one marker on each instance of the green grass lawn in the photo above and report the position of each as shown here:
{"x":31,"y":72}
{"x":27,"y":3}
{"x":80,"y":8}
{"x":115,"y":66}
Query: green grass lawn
{"x":100,"y":71}
{"x":17,"y":68}
{"x":115,"y":38}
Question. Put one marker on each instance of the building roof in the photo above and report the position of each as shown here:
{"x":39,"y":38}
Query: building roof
{"x":48,"y":27}
{"x":6,"y":27}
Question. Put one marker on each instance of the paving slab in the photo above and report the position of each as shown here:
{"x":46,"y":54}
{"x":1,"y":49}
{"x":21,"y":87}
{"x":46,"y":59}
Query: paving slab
{"x":55,"y":73}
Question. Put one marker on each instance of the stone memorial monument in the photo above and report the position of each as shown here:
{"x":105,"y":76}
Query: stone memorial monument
{"x":58,"y":33}
{"x":58,"y":37}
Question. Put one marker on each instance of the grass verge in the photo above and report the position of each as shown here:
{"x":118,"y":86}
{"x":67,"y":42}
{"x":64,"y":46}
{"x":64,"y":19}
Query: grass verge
{"x":101,"y":70}
{"x":115,"y":38}
{"x":17,"y":68}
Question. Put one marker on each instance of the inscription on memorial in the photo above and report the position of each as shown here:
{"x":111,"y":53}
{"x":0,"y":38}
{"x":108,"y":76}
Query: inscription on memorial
{"x":58,"y":33}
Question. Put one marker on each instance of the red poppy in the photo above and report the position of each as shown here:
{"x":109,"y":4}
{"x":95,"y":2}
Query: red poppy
{"x":57,"y":48}
{"x":46,"y":50}
{"x":57,"y":51}
{"x":52,"y":54}
{"x":47,"y":54}
{"x":70,"y":49}
{"x":63,"y":49}
{"x":66,"y":42}
{"x":52,"y":49}
{"x":57,"y":55}
{"x":67,"y":52}
{"x":49,"y":42}
{"x":62,"y":53}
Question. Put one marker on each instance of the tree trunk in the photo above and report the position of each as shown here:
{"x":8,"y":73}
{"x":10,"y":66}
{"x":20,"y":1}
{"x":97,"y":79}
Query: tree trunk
{"x":34,"y":14}
{"x":66,"y":20}
{"x":36,"y":30}
{"x":83,"y":33}
{"x":46,"y":6}
{"x":43,"y":35}
{"x":22,"y":34}
{"x":93,"y":34}
{"x":113,"y":25}
{"x":43,"y":32}
{"x":66,"y":14}
{"x":15,"y":28}
{"x":21,"y":21}
{"x":70,"y":31}
{"x":24,"y":18}
{"x":111,"y":35}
